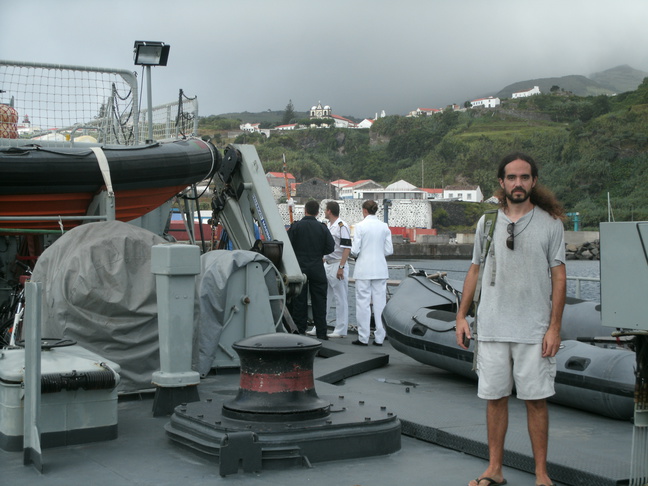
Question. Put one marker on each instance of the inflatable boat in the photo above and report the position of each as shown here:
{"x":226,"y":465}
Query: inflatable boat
{"x":420,"y":319}
{"x":62,"y":180}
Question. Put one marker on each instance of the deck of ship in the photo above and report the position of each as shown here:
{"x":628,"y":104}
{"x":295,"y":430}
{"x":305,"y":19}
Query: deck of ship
{"x":443,"y":425}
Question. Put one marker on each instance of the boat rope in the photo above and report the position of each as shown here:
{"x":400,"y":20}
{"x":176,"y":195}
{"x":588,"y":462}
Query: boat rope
{"x":105,"y":169}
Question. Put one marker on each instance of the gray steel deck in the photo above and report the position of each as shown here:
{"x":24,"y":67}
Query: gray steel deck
{"x":443,"y":443}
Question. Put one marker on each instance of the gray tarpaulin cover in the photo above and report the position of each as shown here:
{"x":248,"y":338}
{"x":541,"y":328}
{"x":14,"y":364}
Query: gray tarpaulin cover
{"x":99,"y":290}
{"x":217,"y":267}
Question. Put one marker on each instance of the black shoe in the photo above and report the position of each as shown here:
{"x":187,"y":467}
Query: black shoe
{"x":377,"y":344}
{"x":322,"y":338}
{"x":357,"y":342}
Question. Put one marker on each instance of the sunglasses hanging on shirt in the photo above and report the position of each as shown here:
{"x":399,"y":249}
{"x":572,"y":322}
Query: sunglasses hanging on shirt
{"x":510,"y":241}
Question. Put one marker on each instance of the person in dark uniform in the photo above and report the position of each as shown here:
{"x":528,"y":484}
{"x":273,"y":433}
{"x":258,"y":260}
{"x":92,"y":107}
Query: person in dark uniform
{"x":311,"y":240}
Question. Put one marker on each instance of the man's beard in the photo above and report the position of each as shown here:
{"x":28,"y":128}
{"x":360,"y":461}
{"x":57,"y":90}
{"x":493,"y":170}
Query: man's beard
{"x":517,"y":199}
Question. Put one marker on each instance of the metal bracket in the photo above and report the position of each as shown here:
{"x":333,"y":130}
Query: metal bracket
{"x":240,"y":449}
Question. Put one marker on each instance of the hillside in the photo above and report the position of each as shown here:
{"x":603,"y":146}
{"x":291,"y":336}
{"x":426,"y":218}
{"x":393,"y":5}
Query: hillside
{"x":611,"y":81}
{"x":270,"y":117}
{"x":578,"y":85}
{"x":620,"y":79}
{"x":586,"y":147}
{"x":264,"y":117}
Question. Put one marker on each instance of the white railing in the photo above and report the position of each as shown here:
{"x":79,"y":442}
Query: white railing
{"x":582,"y":279}
{"x":407,"y":269}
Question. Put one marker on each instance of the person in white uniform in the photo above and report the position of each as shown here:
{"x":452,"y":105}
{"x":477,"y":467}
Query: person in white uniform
{"x":337,"y":270}
{"x":372,"y":242}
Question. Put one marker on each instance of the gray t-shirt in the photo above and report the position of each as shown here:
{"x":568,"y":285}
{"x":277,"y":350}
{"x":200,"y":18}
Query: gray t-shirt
{"x":515,"y":303}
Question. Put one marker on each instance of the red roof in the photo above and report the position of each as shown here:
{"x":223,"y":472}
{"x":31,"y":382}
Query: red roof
{"x":431,"y":191}
{"x":341,"y":182}
{"x":342,"y":118}
{"x":353,"y":184}
{"x":280,"y":174}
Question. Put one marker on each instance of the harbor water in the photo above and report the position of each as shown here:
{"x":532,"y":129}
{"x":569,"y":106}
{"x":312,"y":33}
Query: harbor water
{"x":457,"y":269}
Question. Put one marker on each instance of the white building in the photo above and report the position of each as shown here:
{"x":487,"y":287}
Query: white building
{"x":321,"y":112}
{"x":463,"y":193}
{"x":398,"y":190}
{"x":354,"y":190}
{"x":341,"y":122}
{"x":424,"y":112}
{"x":366,"y":123}
{"x":250,"y":127}
{"x":489,"y":102}
{"x":529,"y":92}
{"x":292,"y":126}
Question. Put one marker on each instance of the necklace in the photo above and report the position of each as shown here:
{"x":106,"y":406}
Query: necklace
{"x":510,"y":241}
{"x":528,"y":222}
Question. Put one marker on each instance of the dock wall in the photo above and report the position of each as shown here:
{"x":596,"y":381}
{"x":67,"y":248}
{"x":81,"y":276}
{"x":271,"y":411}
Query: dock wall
{"x":580,"y":245}
{"x":432,"y":250}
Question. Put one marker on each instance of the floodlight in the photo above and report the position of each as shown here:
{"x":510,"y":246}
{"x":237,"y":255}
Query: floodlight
{"x":150,"y":53}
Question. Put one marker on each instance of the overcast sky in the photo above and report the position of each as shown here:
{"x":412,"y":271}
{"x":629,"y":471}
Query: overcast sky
{"x":358,"y":56}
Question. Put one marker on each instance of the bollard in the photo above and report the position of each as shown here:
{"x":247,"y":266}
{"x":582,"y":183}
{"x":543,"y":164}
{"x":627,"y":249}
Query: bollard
{"x":277,"y":383}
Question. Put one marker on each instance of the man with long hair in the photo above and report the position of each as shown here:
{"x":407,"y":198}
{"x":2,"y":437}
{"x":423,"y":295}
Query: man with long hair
{"x":523,"y":285}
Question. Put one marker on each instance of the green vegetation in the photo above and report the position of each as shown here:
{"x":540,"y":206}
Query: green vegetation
{"x":289,"y":114}
{"x":586,"y":147}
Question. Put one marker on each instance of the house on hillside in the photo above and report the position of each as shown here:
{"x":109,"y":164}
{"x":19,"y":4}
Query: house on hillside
{"x":292,"y":126}
{"x":397,"y":191}
{"x":320,"y":112}
{"x":489,"y":102}
{"x":250,"y":127}
{"x":366,"y":123}
{"x":463,"y":193}
{"x":424,"y":112}
{"x":354,"y":190}
{"x":433,"y":193}
{"x":339,"y":184}
{"x":529,"y":92}
{"x":341,"y":122}
{"x":277,"y":183}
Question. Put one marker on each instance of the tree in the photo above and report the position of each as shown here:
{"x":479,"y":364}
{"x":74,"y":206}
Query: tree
{"x":289,"y":113}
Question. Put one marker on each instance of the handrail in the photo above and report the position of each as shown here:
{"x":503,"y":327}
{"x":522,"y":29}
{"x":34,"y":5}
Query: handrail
{"x":408,"y":268}
{"x":582,"y":279}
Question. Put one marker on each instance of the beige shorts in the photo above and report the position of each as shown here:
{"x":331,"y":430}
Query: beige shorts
{"x":500,"y":365}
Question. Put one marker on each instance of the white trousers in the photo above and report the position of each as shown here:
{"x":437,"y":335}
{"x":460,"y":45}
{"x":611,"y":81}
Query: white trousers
{"x":368,"y":292}
{"x":338,"y":294}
